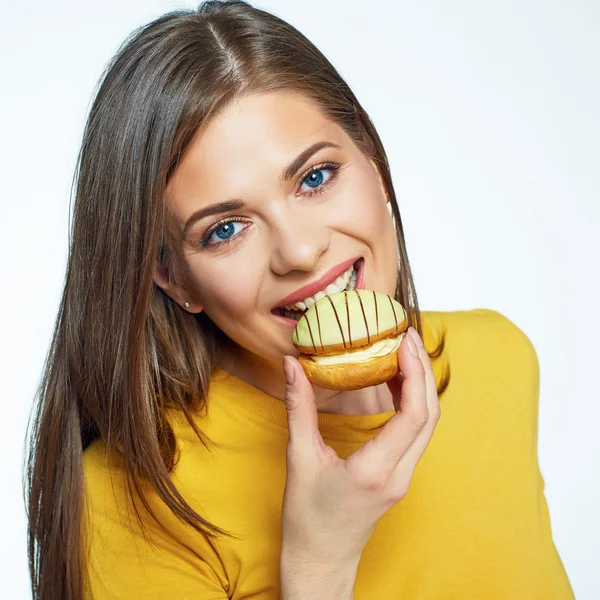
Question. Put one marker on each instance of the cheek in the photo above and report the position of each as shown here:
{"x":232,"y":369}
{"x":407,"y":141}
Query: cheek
{"x":366,"y":217}
{"x":365,"y":213}
{"x":228,"y":289}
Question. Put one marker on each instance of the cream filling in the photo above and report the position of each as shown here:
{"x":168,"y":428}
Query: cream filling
{"x":379,"y":348}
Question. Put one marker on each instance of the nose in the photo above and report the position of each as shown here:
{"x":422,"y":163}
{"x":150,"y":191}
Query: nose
{"x":298,"y":243}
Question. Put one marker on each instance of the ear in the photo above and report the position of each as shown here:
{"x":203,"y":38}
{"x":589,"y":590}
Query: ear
{"x":176,"y":292}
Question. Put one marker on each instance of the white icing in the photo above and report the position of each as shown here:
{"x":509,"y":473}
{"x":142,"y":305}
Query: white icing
{"x":348,"y":316}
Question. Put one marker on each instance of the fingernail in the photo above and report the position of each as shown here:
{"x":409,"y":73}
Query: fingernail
{"x":411,"y":345}
{"x":288,"y":370}
{"x":415,"y":336}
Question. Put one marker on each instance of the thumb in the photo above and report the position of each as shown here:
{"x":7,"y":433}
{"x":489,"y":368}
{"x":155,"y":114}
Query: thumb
{"x":301,"y":407}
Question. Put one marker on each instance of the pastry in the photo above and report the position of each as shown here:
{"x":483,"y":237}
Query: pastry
{"x":349,"y":340}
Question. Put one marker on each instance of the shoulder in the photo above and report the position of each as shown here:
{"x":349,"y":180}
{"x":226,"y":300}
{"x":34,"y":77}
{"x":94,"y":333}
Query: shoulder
{"x":480,"y":335}
{"x":105,"y":484}
{"x":492,"y":397}
{"x":474,"y":321}
{"x":491,"y":363}
{"x":99,"y":464}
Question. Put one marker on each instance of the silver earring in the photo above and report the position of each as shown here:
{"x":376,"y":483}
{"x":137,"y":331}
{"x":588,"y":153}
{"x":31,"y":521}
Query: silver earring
{"x":186,"y":304}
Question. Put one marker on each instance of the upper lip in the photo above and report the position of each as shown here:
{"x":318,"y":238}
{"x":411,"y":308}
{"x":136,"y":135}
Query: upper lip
{"x":319,"y":284}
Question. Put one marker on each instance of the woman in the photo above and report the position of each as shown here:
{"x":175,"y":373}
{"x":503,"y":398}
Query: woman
{"x":178,"y":450}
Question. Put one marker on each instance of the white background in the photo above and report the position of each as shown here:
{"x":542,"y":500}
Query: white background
{"x":489,"y":112}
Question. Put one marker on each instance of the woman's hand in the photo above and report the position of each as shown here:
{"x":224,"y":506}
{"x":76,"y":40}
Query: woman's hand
{"x":330,"y":505}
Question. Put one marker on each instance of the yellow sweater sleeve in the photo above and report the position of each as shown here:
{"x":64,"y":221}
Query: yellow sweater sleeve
{"x":122,"y":564}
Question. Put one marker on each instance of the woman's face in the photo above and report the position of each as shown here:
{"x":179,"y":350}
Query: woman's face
{"x":288,"y":222}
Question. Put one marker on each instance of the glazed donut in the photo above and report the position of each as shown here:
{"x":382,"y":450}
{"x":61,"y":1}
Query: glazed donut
{"x":349,"y":340}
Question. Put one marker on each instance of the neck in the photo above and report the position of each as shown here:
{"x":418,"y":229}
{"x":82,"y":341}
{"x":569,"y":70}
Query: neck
{"x":267,"y":376}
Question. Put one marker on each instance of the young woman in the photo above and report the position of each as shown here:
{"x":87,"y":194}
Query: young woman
{"x":178,"y":449}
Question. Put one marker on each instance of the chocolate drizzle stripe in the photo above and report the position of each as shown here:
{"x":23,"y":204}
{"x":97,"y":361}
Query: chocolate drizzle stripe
{"x":310,"y":331}
{"x":376,"y":313}
{"x":394,"y":311}
{"x":319,"y":326}
{"x":348,"y":313}
{"x":337,"y":318}
{"x":364,"y":317}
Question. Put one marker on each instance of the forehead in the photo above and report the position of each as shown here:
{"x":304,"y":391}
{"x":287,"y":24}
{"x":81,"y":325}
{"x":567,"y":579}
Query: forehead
{"x":255,"y":135}
{"x":278,"y":118}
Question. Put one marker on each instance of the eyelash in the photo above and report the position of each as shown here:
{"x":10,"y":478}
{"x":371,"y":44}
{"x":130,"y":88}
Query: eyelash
{"x":329,"y":166}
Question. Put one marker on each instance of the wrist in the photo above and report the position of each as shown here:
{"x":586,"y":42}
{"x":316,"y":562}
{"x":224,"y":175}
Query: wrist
{"x":304,"y":578}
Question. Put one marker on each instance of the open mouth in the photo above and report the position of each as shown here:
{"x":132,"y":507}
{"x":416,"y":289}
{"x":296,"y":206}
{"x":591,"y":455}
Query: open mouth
{"x":352,"y":279}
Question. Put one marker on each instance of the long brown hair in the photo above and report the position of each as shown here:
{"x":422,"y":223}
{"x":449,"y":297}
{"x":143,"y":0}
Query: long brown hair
{"x":122,"y":350}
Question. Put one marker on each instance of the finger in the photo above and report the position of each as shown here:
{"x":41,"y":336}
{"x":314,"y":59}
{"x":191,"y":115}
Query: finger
{"x":395,"y":387}
{"x":433,"y":403}
{"x":303,"y":424}
{"x":397,"y":435}
{"x":417,"y":448}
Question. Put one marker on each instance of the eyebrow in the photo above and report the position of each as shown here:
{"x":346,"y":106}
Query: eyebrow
{"x":229,"y":205}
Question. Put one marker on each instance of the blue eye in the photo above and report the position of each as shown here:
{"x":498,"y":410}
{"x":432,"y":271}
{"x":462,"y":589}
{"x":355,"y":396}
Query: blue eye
{"x":315,"y":179}
{"x":221,"y":232}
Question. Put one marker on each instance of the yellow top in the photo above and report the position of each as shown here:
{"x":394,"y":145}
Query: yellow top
{"x":474,"y":524}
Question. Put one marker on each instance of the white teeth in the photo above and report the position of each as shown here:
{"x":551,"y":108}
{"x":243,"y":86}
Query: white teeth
{"x":352,"y":284}
{"x":347,"y":281}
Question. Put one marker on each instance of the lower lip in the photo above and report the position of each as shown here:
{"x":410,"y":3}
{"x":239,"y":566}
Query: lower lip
{"x":360,"y":278}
